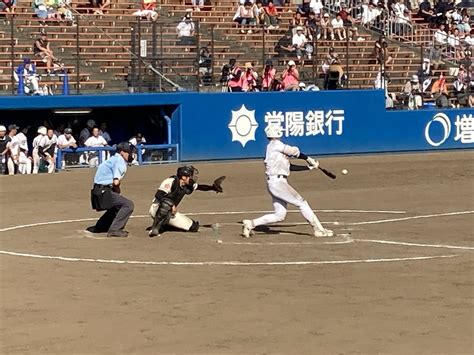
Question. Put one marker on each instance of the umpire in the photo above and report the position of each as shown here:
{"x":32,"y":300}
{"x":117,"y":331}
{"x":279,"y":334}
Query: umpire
{"x":105,"y":195}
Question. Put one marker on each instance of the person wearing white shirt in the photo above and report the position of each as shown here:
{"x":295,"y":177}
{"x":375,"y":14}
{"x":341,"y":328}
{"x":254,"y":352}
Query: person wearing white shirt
{"x":300,"y":42}
{"x":337,"y":25}
{"x":316,"y":6}
{"x":13,"y":149}
{"x":46,"y":149}
{"x":135,"y":141}
{"x":95,"y":141}
{"x":65,"y":141}
{"x":24,"y":162}
{"x":440,"y":37}
{"x":86,"y":132}
{"x":36,"y":158}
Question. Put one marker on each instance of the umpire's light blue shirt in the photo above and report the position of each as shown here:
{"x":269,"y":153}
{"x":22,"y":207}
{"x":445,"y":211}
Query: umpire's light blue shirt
{"x":113,"y":168}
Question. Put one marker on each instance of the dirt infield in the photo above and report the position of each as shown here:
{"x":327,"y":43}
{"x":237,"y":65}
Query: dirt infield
{"x":398,"y":279}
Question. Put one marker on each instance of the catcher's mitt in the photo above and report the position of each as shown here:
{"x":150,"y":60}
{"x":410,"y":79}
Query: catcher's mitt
{"x":217,"y":185}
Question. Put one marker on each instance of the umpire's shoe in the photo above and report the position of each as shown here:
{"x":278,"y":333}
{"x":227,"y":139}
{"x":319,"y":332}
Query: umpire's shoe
{"x":117,"y":234}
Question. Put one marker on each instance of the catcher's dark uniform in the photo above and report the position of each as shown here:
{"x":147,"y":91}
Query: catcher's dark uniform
{"x":169,"y":195}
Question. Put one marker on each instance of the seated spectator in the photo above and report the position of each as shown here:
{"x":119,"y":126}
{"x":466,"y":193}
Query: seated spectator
{"x":284,"y":45}
{"x":268,"y":76}
{"x":103,"y":132}
{"x":464,"y":25}
{"x":290,"y":78}
{"x":46,"y":150}
{"x":469,"y":39}
{"x":334,"y":76}
{"x":64,"y":11}
{"x":43,"y":50}
{"x":225,"y":73}
{"x":245,"y":17}
{"x":235,"y":81}
{"x":65,"y":141}
{"x":296,"y":21}
{"x":380,"y":52}
{"x":337,"y":26}
{"x":454,"y":45}
{"x":259,"y":13}
{"x":426,"y":12}
{"x":249,"y":79}
{"x":316,"y":7}
{"x":302,"y":45}
{"x":304,"y":9}
{"x":461,"y":86}
{"x":205,"y":65}
{"x":147,"y":10}
{"x":326,"y":29}
{"x":272,"y":18}
{"x":439,"y":91}
{"x":313,"y":25}
{"x":349,"y":23}
{"x":40,"y":8}
{"x":8,"y":6}
{"x":101,"y":6}
{"x":440,"y":37}
{"x":95,"y":141}
{"x":197,"y":4}
{"x":185,"y":31}
{"x":27,"y":73}
{"x":411,"y":94}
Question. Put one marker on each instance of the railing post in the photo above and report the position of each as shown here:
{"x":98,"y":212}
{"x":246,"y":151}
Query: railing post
{"x":161,"y":56}
{"x":315,"y":53}
{"x":263,"y":46}
{"x":347,"y":56}
{"x":12,"y":49}
{"x":78,"y":63}
{"x":198,"y":79}
{"x":212,"y":55}
{"x":139,"y":54}
{"x":153,"y":52}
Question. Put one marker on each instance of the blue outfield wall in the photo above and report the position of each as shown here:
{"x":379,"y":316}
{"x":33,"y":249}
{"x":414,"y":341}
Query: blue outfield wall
{"x":231,"y":125}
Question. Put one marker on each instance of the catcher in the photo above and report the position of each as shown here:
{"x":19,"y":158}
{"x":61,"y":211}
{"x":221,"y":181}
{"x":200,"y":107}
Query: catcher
{"x":170,"y":193}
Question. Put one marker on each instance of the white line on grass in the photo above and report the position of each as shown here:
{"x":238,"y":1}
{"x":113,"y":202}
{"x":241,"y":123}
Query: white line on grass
{"x":224,"y":263}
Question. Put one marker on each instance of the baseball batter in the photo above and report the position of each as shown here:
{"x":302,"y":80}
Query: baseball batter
{"x":277,"y":170}
{"x":170,"y":193}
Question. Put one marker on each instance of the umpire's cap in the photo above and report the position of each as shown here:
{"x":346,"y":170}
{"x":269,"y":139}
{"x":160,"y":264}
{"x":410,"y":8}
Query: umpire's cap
{"x":125,"y":147}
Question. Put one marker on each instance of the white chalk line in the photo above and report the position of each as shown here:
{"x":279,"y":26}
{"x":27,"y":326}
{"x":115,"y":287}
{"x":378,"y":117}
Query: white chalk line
{"x":408,"y":218}
{"x":225,"y":263}
{"x":415,"y":244}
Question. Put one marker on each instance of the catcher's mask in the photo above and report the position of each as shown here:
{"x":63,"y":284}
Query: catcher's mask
{"x":188,"y":170}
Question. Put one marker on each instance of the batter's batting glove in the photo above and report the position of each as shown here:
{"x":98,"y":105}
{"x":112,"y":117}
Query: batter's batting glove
{"x":312,"y":162}
{"x":217,"y":185}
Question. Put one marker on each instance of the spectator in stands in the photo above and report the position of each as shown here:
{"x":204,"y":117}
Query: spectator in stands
{"x":463,"y":25}
{"x":65,"y":141}
{"x":245,"y":17}
{"x":461,"y":86}
{"x":8,"y":6}
{"x":402,"y":18}
{"x":41,"y":10}
{"x":304,"y":9}
{"x":317,"y":7}
{"x":290,"y":77}
{"x":47,"y":148}
{"x":103,"y":132}
{"x":268,"y":76}
{"x":412,"y":93}
{"x":439,"y":91}
{"x":147,"y":10}
{"x":43,"y":50}
{"x":205,"y":65}
{"x":27,"y":73}
{"x":272,"y":18}
{"x":259,"y":13}
{"x":4,"y":140}
{"x":313,"y":25}
{"x":349,"y":23}
{"x":284,"y":46}
{"x":454,"y":45}
{"x":86,"y":132}
{"x":302,"y":45}
{"x":235,"y":79}
{"x":370,"y":13}
{"x":95,"y":141}
{"x":225,"y":73}
{"x":326,"y":29}
{"x":440,"y":37}
{"x":249,"y":78}
{"x":64,"y":10}
{"x":334,"y":76}
{"x":426,"y":12}
{"x":381,"y":53}
{"x":337,"y":26}
{"x":100,"y":5}
{"x":185,"y":31}
{"x":197,"y":4}
{"x":469,"y":39}
{"x":296,"y":21}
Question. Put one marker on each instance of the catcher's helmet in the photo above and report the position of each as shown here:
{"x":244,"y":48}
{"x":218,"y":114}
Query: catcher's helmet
{"x":187,"y":170}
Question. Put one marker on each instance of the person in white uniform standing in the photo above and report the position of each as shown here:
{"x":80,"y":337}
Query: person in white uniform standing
{"x":46,"y":149}
{"x":24,"y":162}
{"x":277,"y":170}
{"x":36,"y":158}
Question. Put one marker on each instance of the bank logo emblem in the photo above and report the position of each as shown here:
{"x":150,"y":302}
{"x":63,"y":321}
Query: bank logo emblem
{"x":243,"y":125}
{"x":445,"y":122}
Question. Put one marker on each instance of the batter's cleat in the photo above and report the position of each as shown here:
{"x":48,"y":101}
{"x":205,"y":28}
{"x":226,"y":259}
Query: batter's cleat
{"x":154,"y":232}
{"x":247,"y":228}
{"x":117,"y":234}
{"x":325,"y":233}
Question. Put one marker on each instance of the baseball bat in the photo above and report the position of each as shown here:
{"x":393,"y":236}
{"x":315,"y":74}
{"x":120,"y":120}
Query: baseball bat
{"x":327,"y":173}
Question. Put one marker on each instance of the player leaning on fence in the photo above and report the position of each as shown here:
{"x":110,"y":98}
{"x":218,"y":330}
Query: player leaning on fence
{"x":105,"y":195}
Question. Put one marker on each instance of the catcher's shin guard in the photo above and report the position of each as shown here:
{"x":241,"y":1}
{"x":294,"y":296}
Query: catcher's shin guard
{"x":163,"y":215}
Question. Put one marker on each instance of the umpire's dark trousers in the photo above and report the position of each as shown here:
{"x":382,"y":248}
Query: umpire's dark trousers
{"x":116,"y":217}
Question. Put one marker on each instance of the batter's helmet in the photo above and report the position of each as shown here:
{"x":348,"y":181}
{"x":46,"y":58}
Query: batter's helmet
{"x":273,"y":131}
{"x":187,"y":170}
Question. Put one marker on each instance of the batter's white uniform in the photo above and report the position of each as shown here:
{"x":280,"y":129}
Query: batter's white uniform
{"x":277,"y":170}
{"x":36,"y":157}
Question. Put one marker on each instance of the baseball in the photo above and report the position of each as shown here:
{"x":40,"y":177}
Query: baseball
{"x":344,"y":171}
